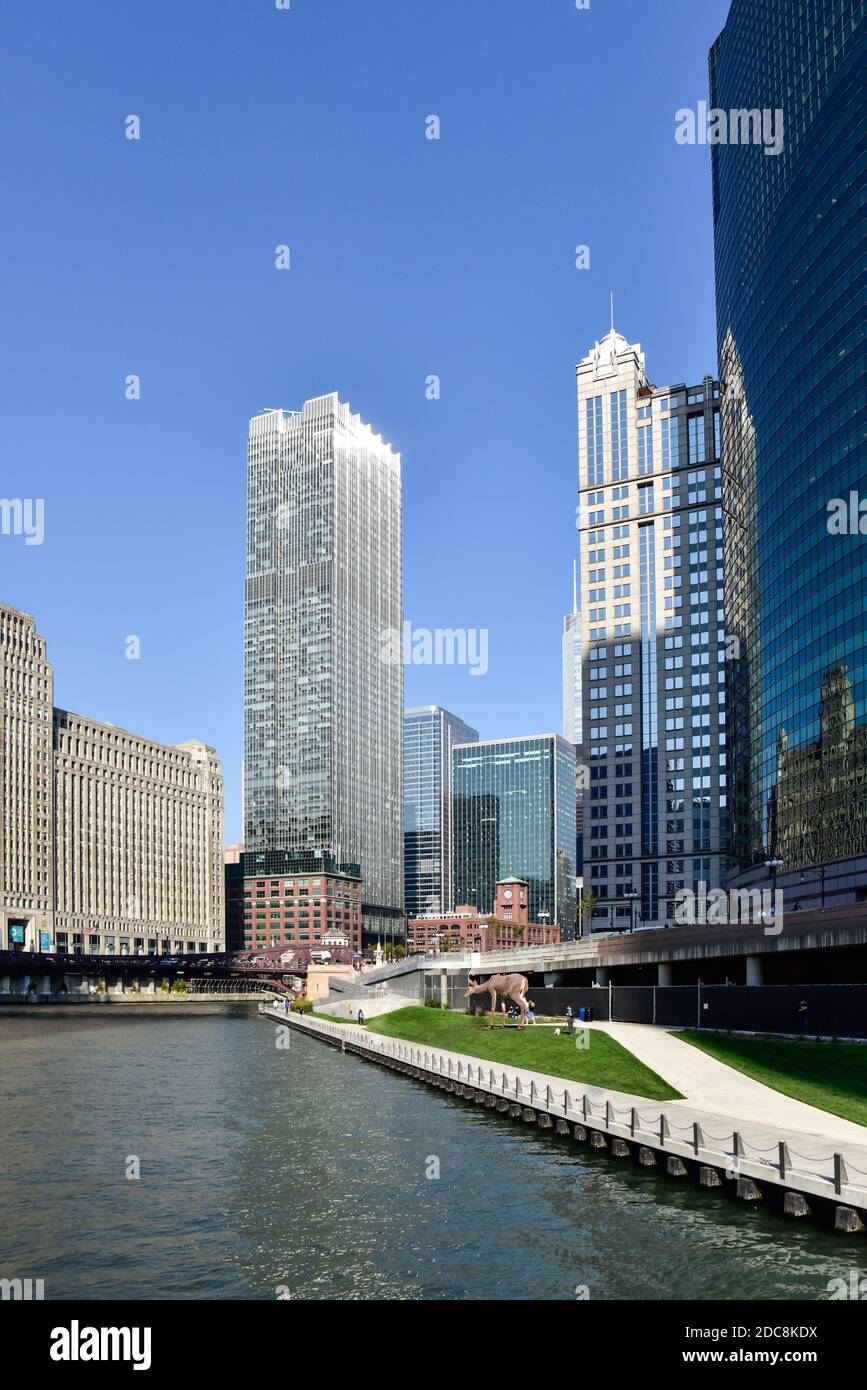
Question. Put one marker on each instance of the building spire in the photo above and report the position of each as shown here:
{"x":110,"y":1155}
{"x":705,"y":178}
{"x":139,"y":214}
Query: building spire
{"x":612,"y":313}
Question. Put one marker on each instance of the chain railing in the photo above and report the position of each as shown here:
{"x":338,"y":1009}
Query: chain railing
{"x":656,"y":1129}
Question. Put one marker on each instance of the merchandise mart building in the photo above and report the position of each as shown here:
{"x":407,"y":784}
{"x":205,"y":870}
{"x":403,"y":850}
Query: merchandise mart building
{"x":791,"y":272}
{"x":110,"y":843}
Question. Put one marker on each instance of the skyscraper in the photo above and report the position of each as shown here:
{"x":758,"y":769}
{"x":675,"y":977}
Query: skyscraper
{"x":651,"y":536}
{"x":429,"y":735}
{"x":572,"y":669}
{"x":323,"y":682}
{"x":790,"y":243}
{"x":514,"y":813}
{"x":572,"y":715}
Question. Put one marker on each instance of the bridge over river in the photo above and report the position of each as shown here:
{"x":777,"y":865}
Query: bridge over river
{"x":27,"y":976}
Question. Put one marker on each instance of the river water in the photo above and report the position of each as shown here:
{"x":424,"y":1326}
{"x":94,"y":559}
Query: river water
{"x":299,"y":1172}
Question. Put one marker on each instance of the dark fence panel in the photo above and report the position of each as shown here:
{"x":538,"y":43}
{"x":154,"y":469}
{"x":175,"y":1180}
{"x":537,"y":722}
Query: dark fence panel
{"x":676,"y":1005}
{"x":551,"y":1002}
{"x":832,"y":1010}
{"x":632,"y":1003}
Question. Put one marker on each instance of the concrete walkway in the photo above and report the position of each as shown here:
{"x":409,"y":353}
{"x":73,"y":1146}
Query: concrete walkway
{"x":814,"y":1136}
{"x":709,"y":1085}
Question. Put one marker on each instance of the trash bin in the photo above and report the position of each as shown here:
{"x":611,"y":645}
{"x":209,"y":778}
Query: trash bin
{"x":588,"y":1015}
{"x":582,"y":1014}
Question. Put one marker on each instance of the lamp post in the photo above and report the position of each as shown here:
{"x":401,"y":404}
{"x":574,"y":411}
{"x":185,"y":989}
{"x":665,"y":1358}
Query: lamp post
{"x":633,"y":896}
{"x":821,"y":873}
{"x":774,"y":864}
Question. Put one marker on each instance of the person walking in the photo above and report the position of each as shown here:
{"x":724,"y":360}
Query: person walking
{"x":361,"y":1018}
{"x":803,"y":1017}
{"x":570,"y":1019}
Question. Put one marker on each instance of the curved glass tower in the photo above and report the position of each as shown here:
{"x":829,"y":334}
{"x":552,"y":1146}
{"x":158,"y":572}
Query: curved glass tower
{"x":790,"y":238}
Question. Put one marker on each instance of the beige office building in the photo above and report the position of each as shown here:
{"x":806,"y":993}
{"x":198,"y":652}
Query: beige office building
{"x":27,"y":781}
{"x":111,"y":843}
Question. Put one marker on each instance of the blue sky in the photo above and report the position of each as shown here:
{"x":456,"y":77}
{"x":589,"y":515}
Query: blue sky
{"x":410,"y":257}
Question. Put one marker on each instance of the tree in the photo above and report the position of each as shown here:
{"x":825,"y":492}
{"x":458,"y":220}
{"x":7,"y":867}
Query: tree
{"x":585,"y":909}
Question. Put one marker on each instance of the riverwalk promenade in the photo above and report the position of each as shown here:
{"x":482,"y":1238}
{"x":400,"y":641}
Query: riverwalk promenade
{"x":734,"y":1135}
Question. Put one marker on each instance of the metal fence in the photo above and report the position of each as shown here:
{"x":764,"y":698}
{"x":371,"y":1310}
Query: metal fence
{"x":781,"y":1163}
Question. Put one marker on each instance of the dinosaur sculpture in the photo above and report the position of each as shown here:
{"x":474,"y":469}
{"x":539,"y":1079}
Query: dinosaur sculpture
{"x":503,"y":987}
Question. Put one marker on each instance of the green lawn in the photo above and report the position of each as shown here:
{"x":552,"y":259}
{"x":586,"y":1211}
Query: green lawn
{"x":603,"y":1063}
{"x":831,"y":1076}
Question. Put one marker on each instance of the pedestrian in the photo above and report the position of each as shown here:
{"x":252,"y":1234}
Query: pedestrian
{"x":361,"y":1018}
{"x":803,"y":1017}
{"x":531,"y":1016}
{"x":570,"y":1019}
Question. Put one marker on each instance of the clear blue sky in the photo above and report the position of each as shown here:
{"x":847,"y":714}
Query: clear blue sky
{"x":409,"y":257}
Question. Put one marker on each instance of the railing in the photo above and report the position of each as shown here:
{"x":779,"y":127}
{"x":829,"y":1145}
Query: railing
{"x":656,"y":1130}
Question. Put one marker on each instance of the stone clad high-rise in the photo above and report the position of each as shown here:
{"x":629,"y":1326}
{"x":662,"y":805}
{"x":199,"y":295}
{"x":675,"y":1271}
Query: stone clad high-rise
{"x":791,"y":269}
{"x":653,"y":734}
{"x":323,"y":671}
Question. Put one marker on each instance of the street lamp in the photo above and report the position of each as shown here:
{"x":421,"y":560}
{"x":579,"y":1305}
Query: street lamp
{"x":774,"y":865}
{"x":821,"y":872}
{"x":632,"y":895}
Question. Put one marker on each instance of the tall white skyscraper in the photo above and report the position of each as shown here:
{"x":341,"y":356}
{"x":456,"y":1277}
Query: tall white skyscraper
{"x":653,"y":682}
{"x":323,"y":693}
{"x":572,"y":668}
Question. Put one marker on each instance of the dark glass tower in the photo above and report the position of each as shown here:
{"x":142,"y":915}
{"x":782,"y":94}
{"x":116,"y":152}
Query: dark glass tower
{"x":514,"y":813}
{"x":790,"y":239}
{"x":429,"y":734}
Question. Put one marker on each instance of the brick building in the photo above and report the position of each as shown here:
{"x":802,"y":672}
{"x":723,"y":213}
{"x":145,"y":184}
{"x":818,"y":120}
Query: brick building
{"x":277,"y":898}
{"x":467,"y":929}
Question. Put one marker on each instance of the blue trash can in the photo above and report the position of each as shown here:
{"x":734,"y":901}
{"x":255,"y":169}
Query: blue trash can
{"x":582,"y":1014}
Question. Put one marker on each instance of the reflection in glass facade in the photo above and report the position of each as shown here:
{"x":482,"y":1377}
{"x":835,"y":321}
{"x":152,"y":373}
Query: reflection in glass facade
{"x":790,"y":245}
{"x":429,"y":734}
{"x":323,"y":707}
{"x":514,"y":813}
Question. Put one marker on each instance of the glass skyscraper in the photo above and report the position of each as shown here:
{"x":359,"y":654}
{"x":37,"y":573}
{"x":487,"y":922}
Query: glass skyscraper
{"x":429,"y":734}
{"x":790,"y":243}
{"x":514,"y":813}
{"x":323,"y":677}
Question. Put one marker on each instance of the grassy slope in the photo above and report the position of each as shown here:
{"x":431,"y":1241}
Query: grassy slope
{"x":831,"y":1076}
{"x":604,"y":1063}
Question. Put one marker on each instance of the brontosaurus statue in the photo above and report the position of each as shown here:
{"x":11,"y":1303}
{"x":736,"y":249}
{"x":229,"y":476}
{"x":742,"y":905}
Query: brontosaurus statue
{"x":511,"y":987}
